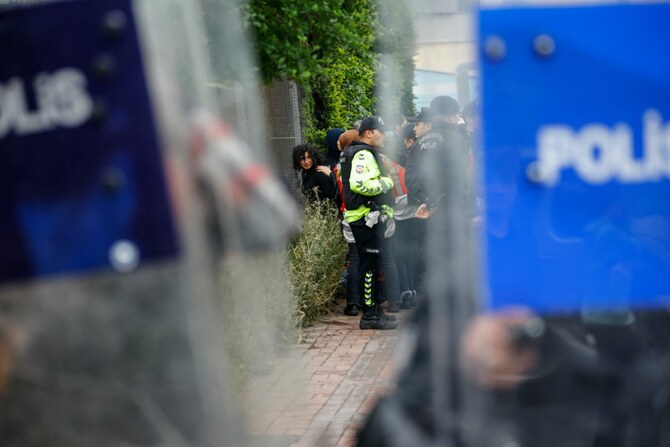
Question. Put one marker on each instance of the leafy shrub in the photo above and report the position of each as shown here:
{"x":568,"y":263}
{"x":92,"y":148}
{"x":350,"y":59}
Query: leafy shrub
{"x":316,"y":258}
{"x":333,"y":52}
{"x":296,"y":38}
{"x":342,"y":94}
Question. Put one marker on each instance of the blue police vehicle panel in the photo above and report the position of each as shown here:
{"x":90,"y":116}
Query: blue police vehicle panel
{"x":576,"y":148}
{"x":81,"y":179}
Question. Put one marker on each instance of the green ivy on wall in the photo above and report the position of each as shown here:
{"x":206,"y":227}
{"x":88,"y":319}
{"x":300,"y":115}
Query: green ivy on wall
{"x":344,"y":94}
{"x":331,"y":50}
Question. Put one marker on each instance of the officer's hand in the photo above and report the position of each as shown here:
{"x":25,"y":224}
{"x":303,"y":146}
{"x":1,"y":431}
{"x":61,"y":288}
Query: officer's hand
{"x":490,"y":356}
{"x":424,"y":211}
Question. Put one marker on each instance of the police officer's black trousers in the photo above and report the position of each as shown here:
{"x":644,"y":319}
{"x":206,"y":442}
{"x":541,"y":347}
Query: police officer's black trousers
{"x":369,"y":243}
{"x":391,"y":280}
{"x":406,"y":252}
{"x":352,"y":281}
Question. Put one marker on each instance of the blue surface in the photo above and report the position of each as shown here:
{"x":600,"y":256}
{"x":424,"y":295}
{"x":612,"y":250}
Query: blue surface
{"x":70,"y":185}
{"x":594,"y":234}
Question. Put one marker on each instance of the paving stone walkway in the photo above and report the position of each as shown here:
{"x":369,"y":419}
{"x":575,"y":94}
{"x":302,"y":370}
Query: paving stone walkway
{"x":320,"y":393}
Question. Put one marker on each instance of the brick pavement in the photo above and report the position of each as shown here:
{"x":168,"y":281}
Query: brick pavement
{"x":320,"y":393}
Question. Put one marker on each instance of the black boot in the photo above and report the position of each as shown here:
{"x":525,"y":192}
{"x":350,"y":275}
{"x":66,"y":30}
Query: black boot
{"x":372,"y":319}
{"x":352,"y":309}
{"x":384,"y":315}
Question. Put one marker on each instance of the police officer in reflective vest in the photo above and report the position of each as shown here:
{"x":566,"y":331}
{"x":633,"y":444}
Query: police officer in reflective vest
{"x":367,"y":189}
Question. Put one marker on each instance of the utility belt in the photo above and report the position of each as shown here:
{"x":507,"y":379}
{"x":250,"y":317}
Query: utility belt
{"x":376,"y":216}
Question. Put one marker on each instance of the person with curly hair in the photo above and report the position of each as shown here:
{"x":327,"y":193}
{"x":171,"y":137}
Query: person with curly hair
{"x":317,"y":180}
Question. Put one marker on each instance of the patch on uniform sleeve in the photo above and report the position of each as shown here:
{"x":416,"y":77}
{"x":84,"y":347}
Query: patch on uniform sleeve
{"x":360,"y":169}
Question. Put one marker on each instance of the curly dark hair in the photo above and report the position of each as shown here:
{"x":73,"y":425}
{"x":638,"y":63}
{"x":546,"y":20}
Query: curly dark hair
{"x":300,"y":150}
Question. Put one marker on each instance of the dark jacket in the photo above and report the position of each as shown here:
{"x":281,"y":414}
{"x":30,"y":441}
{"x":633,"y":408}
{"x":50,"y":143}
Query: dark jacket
{"x":445,"y":140}
{"x":317,"y":185}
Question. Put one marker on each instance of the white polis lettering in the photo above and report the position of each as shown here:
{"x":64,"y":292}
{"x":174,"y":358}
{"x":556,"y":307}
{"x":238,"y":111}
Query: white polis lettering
{"x":599,"y":154}
{"x":61,"y":99}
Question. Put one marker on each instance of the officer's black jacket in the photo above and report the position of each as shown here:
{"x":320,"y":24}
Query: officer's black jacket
{"x":421,"y":177}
